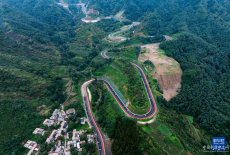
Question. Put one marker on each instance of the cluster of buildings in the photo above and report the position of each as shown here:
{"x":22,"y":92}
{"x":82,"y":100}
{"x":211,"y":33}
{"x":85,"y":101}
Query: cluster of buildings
{"x":33,"y":146}
{"x":94,"y":12}
{"x":59,"y":117}
{"x":76,"y":142}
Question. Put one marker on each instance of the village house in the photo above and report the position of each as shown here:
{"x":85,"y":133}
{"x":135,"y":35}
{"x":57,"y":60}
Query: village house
{"x":33,"y":146}
{"x":29,"y":144}
{"x":39,"y":131}
{"x":90,"y":138}
{"x":68,"y":144}
{"x":55,"y":114}
{"x":92,"y":11}
{"x":83,"y":120}
{"x":81,"y":132}
{"x":79,"y":149}
{"x":53,"y":153}
{"x":48,"y":122}
{"x":136,"y":23}
{"x":107,"y":17}
{"x":52,"y":137}
{"x":76,"y":136}
{"x":61,"y":116}
{"x":67,"y":153}
{"x":75,"y":144}
{"x":62,"y":128}
{"x":65,"y":5}
{"x":59,"y":149}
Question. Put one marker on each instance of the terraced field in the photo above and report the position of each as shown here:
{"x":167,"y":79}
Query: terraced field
{"x":164,"y":137}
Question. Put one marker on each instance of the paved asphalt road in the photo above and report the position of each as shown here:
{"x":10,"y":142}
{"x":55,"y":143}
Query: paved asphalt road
{"x":92,"y":123}
{"x":151,"y":112}
{"x":122,"y":104}
{"x":104,"y":55}
{"x":112,"y":34}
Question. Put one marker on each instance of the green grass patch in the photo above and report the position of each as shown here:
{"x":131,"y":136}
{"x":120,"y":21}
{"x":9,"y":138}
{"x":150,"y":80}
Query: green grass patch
{"x":84,"y":127}
{"x":147,"y":129}
{"x":163,"y":129}
{"x":116,"y":34}
{"x":115,"y":76}
{"x":169,"y":135}
{"x":174,"y":139}
{"x":115,"y":106}
{"x":190,"y":119}
{"x":130,"y":55}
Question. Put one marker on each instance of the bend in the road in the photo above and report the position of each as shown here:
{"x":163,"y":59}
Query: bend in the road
{"x":152,"y":111}
{"x":122,"y":30}
{"x":153,"y":106}
{"x":104,"y":54}
{"x":92,"y":122}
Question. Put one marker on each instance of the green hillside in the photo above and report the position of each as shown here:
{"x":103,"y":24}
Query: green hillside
{"x":41,"y":43}
{"x":201,"y":33}
{"x":30,"y":66}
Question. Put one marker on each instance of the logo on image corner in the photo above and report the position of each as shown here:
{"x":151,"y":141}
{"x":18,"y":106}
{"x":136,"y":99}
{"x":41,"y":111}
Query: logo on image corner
{"x":218,"y":143}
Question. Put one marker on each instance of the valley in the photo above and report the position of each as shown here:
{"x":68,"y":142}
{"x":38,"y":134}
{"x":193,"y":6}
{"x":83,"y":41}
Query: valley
{"x":113,"y":77}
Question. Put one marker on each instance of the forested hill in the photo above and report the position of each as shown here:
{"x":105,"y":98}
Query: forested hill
{"x":32,"y":35}
{"x":201,"y":45}
{"x":202,"y":49}
{"x":39,"y":39}
{"x":134,"y":9}
{"x":42,"y":19}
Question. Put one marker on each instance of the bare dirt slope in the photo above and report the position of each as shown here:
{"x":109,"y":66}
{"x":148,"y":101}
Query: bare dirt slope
{"x":168,"y":72}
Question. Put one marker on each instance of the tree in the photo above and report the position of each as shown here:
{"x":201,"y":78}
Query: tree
{"x":126,"y":138}
{"x":71,"y":126}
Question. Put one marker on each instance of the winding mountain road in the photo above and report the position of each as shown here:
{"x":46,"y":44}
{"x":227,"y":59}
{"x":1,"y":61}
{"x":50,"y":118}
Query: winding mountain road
{"x":91,"y":121}
{"x":122,"y":30}
{"x":104,"y":55}
{"x":151,"y":113}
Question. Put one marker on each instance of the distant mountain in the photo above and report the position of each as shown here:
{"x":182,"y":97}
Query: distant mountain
{"x":134,"y":9}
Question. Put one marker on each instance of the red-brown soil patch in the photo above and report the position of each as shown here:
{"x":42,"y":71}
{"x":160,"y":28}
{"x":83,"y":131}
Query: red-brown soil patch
{"x":168,"y":72}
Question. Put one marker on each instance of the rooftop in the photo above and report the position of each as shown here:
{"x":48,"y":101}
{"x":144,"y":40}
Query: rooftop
{"x":29,"y":144}
{"x":83,"y":120}
{"x":48,"y":122}
{"x":51,"y":137}
{"x":39,"y":131}
{"x":90,"y":138}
